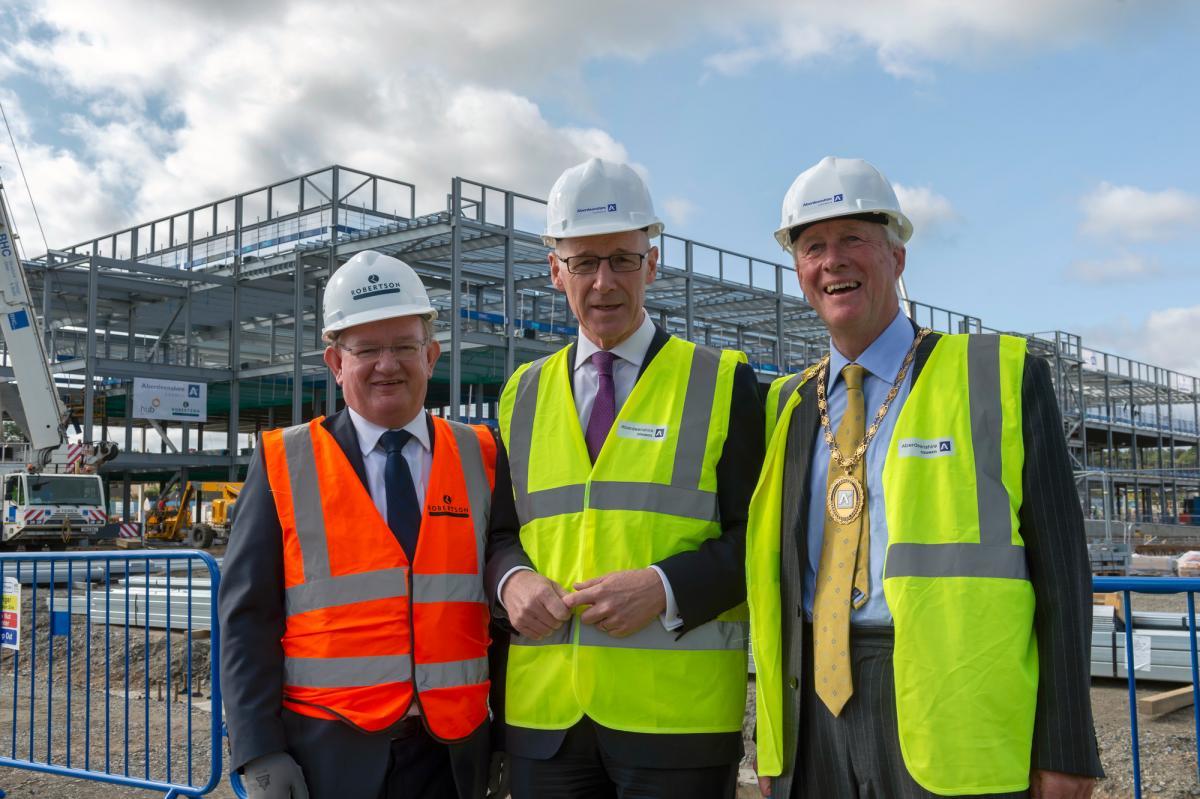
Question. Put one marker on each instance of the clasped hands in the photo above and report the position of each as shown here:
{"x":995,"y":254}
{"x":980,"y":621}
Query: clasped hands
{"x":618,"y":603}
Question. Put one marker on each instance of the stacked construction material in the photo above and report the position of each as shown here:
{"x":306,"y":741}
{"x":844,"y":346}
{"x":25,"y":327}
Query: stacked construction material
{"x":1160,"y":645}
{"x":154,"y":601}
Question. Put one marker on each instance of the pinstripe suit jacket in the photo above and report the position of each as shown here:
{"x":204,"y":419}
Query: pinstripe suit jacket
{"x":1055,"y":547}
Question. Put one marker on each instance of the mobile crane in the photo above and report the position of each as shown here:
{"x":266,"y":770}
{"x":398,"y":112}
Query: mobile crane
{"x":41,"y":508}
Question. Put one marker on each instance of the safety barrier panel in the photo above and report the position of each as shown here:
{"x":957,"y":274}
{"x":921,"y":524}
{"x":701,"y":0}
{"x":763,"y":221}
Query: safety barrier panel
{"x":109,"y":668}
{"x":1153,"y":585}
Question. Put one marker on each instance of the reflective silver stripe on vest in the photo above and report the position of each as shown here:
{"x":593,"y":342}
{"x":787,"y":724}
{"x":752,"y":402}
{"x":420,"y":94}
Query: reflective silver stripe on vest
{"x":551,"y":502}
{"x":785,"y":393}
{"x":690,"y":503}
{"x":987,"y":418}
{"x":346,"y":589}
{"x":697,"y":410}
{"x":479,"y":493}
{"x":306,"y":501}
{"x":681,"y":498}
{"x":320,"y":590}
{"x":520,"y":437}
{"x":355,"y":672}
{"x":995,"y":555}
{"x":715,"y":635}
{"x":957,"y":560}
{"x":453,"y":674}
{"x":560,"y":636}
{"x":447,"y":588}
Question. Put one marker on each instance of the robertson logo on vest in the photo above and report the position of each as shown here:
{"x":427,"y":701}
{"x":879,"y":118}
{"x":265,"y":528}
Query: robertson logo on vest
{"x":447,"y":508}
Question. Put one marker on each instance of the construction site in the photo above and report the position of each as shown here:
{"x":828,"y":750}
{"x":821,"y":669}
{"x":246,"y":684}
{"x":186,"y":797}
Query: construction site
{"x":222,"y":303}
{"x":227,"y":295}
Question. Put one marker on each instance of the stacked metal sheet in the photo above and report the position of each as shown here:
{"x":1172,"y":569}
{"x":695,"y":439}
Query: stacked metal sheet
{"x":142,"y":601}
{"x":1160,"y":644}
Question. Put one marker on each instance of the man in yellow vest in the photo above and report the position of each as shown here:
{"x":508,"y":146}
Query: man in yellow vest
{"x":354,"y":647}
{"x":633,"y":454}
{"x":918,"y":574}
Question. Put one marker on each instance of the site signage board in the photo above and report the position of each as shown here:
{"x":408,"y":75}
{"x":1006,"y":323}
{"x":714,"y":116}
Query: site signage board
{"x":172,"y":400}
{"x":10,"y":615}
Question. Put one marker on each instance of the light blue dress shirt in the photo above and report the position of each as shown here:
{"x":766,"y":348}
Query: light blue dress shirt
{"x":882,"y":361}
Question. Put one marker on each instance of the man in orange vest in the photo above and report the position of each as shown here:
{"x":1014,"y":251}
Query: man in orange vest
{"x":354,"y":658}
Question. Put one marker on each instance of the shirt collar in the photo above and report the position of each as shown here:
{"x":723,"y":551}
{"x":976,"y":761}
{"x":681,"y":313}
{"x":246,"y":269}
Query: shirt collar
{"x":883,"y":358}
{"x":632,"y":349}
{"x":368,"y":432}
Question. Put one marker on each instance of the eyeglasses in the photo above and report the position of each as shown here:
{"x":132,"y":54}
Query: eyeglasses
{"x":617,"y":262}
{"x":405,"y":351}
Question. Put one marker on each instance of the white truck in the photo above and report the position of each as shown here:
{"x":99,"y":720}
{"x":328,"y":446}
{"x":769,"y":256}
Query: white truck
{"x":41,"y":508}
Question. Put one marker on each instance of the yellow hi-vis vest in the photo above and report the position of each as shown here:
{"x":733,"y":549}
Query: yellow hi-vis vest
{"x":651,"y":493}
{"x":955,"y":574}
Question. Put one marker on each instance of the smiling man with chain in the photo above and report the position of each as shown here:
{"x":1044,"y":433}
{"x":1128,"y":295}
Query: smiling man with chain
{"x":918,"y":586}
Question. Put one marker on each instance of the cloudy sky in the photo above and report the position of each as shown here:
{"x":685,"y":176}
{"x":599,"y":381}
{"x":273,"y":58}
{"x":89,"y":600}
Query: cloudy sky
{"x":1046,"y":149}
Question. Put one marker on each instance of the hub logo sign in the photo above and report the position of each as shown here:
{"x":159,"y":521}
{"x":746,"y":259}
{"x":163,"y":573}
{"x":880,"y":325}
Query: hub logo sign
{"x":607,"y":208}
{"x":925,"y":448}
{"x":374,"y":288}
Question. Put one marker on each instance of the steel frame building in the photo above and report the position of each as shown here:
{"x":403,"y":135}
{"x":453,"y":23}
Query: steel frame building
{"x":229,"y":294}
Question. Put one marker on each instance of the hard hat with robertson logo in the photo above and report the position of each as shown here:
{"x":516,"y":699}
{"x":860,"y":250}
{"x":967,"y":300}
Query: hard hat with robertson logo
{"x":598,"y":197}
{"x":373,"y":286}
{"x":840,"y":187}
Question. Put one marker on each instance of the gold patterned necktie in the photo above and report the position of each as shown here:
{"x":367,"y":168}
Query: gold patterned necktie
{"x":842,"y":580}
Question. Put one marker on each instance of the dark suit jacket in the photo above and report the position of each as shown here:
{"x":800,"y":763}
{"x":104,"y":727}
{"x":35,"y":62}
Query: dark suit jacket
{"x":1055,"y":546}
{"x":706,"y":582}
{"x":334,"y":755}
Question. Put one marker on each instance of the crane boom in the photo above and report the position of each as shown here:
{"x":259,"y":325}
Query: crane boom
{"x":44,"y":410}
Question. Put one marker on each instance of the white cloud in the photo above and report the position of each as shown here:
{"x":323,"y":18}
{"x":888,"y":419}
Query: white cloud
{"x":678,"y":211}
{"x":907,"y":38}
{"x":932,"y":214}
{"x":1165,"y":338}
{"x":1126,"y":266}
{"x":1169,"y":339}
{"x":181,"y":103}
{"x":177,"y":107}
{"x":1128,"y":212}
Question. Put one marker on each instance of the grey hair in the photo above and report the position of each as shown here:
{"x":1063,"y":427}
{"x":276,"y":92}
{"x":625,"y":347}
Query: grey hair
{"x":893,"y":235}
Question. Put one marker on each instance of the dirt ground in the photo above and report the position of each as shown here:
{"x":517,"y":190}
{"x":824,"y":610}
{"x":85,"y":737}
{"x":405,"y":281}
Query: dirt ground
{"x":1168,"y":742}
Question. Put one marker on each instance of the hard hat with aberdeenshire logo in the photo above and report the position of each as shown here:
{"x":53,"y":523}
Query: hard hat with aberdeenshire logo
{"x":840,"y":187}
{"x":598,"y":197}
{"x":373,"y":286}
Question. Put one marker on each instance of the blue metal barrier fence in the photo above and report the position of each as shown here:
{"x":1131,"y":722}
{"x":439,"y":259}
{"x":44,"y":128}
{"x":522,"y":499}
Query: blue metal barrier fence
{"x":100,"y":647}
{"x":1153,"y":585}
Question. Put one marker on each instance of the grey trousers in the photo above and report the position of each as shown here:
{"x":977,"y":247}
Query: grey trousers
{"x":857,"y":755}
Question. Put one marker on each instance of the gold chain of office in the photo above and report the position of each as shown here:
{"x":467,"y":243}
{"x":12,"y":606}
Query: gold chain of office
{"x":823,"y":405}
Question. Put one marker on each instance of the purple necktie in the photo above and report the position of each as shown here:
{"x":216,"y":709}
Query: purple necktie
{"x":604,"y":410}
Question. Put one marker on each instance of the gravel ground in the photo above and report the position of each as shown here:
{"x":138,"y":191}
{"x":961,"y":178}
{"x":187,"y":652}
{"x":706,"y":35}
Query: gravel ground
{"x":1168,"y":742}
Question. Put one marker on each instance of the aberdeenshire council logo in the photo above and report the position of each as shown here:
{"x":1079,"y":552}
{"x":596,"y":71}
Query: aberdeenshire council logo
{"x":925,"y":447}
{"x":837,"y":198}
{"x":374,"y":288}
{"x":609,"y":208}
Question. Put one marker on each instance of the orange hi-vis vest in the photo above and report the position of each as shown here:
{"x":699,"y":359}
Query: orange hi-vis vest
{"x":367,"y":631}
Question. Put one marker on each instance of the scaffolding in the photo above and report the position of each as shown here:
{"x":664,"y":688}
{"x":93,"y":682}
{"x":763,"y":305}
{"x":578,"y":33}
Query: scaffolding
{"x":229,"y":294}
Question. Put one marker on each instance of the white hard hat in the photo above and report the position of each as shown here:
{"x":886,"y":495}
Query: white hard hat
{"x":373,"y":286}
{"x":840,"y":187}
{"x":598,"y":197}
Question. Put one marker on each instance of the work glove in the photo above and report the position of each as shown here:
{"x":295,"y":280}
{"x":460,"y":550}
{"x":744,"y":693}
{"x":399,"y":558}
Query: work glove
{"x":498,"y":775}
{"x":274,"y":776}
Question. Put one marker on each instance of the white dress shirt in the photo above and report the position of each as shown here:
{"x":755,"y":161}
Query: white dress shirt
{"x":418,"y":454}
{"x":631,"y":353}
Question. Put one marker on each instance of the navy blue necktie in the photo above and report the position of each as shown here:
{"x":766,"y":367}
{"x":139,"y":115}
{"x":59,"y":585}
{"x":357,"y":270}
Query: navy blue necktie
{"x":403,"y":509}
